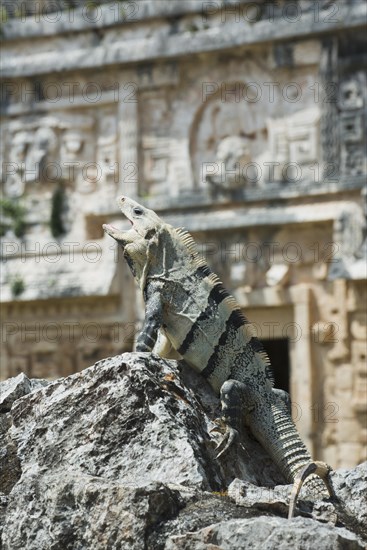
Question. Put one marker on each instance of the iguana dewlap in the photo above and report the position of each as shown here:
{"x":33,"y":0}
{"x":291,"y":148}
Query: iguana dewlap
{"x":188,"y":305}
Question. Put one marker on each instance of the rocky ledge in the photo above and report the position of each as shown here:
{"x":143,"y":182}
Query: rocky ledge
{"x":119,"y":456}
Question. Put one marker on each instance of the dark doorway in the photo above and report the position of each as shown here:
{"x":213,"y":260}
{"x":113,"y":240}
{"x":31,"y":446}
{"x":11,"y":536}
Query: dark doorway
{"x":278,"y":352}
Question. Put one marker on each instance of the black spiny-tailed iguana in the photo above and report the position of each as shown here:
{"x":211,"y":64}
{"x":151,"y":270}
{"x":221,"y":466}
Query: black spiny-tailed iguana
{"x":188,"y":305}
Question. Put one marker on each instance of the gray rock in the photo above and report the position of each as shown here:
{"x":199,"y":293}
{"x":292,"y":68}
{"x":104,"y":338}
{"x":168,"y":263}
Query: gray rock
{"x":250,"y":496}
{"x":13,"y":389}
{"x":3,"y":509}
{"x":9,"y":462}
{"x":126,"y":418}
{"x":351,"y":489}
{"x":80,"y":511}
{"x":266,"y":534}
{"x":276,"y":500}
{"x":16,"y":387}
{"x":119,"y":456}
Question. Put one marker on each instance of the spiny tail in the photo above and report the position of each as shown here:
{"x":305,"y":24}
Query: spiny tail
{"x":282,"y":441}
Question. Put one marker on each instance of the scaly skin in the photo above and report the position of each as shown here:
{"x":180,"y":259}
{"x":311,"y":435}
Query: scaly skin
{"x":192,"y":313}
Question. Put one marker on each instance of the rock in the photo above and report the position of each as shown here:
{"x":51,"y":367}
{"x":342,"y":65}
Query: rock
{"x":3,"y":508}
{"x":10,"y":470}
{"x":119,"y":456}
{"x":266,"y":534}
{"x":276,"y":500}
{"x":15,"y":388}
{"x":125,"y":418}
{"x":246,"y":494}
{"x":82,"y":511}
{"x":351,"y":489}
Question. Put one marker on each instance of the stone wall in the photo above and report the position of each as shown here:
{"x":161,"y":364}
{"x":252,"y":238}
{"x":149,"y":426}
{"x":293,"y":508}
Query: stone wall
{"x":244,"y":123}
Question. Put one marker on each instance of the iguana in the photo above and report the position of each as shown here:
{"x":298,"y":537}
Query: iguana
{"x":187,"y":304}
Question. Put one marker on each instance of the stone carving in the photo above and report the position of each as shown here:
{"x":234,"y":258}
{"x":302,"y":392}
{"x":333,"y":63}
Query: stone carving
{"x":230,"y":167}
{"x":29,"y":151}
{"x":106,"y":150}
{"x":351,"y":124}
{"x":294,"y":144}
{"x":351,"y":92}
{"x":77,"y":152}
{"x":14,"y":181}
{"x":329,"y":131}
{"x":156,"y":157}
{"x":228,"y":130}
{"x":71,"y":146}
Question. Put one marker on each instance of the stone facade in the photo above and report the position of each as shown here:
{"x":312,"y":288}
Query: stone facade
{"x":243,"y":123}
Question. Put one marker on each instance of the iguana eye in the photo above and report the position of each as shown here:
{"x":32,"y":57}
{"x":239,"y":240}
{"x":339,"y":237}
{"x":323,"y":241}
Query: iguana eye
{"x":138,"y":211}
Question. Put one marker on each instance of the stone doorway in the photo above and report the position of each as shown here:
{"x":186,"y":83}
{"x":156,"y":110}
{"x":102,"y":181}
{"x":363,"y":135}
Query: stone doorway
{"x":278,"y":352}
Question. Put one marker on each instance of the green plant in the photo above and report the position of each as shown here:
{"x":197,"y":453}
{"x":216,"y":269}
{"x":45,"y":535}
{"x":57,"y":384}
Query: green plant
{"x":57,"y":206}
{"x":17,"y":286}
{"x":11,"y":209}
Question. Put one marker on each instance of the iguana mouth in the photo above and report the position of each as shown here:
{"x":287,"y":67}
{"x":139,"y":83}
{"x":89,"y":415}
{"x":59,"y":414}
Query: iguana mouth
{"x":124,"y":237}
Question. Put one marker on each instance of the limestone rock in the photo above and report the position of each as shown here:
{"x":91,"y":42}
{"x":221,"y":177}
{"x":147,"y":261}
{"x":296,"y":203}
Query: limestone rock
{"x":119,"y":456}
{"x":9,"y":463}
{"x":82,"y":511}
{"x":15,"y":388}
{"x":351,"y":488}
{"x":266,"y":534}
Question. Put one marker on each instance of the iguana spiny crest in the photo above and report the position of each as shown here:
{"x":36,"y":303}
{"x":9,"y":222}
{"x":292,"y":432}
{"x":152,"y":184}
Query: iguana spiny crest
{"x":188,"y":305}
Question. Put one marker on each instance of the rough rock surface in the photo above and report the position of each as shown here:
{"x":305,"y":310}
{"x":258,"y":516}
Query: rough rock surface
{"x":15,"y":388}
{"x":118,"y":456}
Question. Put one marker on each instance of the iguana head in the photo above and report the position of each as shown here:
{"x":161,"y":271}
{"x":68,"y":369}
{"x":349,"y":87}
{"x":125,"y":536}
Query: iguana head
{"x":136,"y":241}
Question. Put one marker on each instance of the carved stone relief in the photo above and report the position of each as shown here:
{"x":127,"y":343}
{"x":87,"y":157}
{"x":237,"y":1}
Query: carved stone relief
{"x":232,"y":160}
{"x":107,"y":148}
{"x":352,"y":92}
{"x":228,"y":142}
{"x":156,"y":152}
{"x":239,"y":144}
{"x":80,"y":150}
{"x":28,"y":152}
{"x":294,"y":145}
{"x":351,"y":124}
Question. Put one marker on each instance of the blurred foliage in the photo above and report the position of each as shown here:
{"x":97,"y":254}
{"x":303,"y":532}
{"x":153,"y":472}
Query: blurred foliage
{"x":14,"y":213}
{"x":57,"y":207}
{"x":17,"y":286}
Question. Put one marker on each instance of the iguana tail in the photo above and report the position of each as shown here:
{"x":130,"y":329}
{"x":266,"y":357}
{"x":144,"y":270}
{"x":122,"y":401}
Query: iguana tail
{"x":278,"y":435}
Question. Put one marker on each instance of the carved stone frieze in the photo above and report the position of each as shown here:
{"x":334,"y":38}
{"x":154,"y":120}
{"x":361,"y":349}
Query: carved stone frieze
{"x":352,"y":107}
{"x":294,"y":145}
{"x":28,"y":152}
{"x":232,"y":159}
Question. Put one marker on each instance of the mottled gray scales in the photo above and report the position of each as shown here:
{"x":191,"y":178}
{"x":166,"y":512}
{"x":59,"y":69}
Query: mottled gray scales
{"x":203,"y":323}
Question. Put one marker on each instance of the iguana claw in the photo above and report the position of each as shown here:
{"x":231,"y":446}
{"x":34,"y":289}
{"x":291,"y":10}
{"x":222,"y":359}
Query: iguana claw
{"x":229,"y":438}
{"x":316,"y":467}
{"x":216,"y":429}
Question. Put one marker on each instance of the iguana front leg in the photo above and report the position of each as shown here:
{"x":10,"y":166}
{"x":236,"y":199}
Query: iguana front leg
{"x":153,"y":321}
